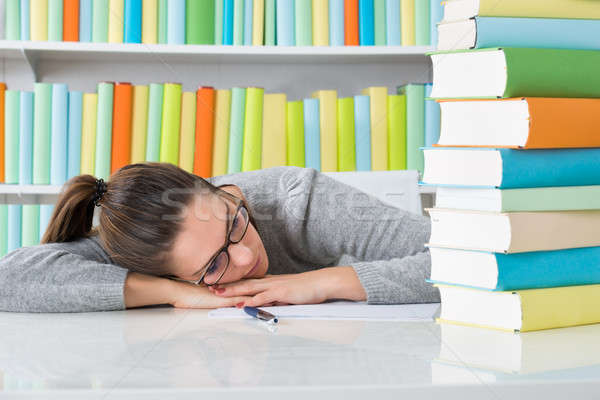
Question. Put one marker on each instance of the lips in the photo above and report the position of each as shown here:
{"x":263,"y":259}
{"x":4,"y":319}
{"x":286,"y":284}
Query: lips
{"x":253,"y":268}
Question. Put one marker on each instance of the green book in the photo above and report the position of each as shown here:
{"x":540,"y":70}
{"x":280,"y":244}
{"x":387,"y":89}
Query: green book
{"x":3,"y":229}
{"x":162,"y":21}
{"x":155,"y":104}
{"x":252,"y":147}
{"x":295,"y":133}
{"x":270,"y":23}
{"x":303,"y":19}
{"x":218,"y":22}
{"x":397,"y":131}
{"x":422,"y":31}
{"x":200,"y":22}
{"x":42,"y":104}
{"x":415,"y":124}
{"x":104,"y":129}
{"x":100,"y":21}
{"x":238,"y":22}
{"x":55,"y":20}
{"x":171,"y":124}
{"x":236,"y":130}
{"x":379,"y":21}
{"x":30,"y":225}
{"x":12,"y":105}
{"x":345,"y":134}
{"x":13,"y":20}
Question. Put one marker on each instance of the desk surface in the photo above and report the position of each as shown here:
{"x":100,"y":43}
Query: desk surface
{"x":172,"y":353}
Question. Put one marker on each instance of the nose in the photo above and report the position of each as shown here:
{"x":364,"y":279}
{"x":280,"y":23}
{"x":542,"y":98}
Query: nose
{"x":241,"y":258}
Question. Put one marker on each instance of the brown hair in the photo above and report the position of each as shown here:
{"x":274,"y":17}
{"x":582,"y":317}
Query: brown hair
{"x":132,"y":224}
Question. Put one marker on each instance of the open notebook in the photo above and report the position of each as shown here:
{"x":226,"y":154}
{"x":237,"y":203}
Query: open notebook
{"x":342,"y":310}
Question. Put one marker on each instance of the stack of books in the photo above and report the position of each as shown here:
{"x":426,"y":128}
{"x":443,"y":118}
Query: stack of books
{"x":516,"y":229}
{"x":226,"y":22}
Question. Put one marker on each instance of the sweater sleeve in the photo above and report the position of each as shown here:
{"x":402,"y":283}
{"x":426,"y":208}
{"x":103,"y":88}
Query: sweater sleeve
{"x":61,"y":277}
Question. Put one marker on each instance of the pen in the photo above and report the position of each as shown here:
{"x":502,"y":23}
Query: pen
{"x":260,"y":314}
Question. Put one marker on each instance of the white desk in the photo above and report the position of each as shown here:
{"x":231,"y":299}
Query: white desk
{"x":166,"y":353}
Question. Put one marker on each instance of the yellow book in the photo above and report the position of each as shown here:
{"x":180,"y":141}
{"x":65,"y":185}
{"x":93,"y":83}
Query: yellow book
{"x":576,"y":9}
{"x":88,"y":133}
{"x":258,"y":22}
{"x":407,"y":22}
{"x":38,"y":17}
{"x":116,"y":16}
{"x":139,"y":123}
{"x":379,"y":127}
{"x":320,"y":16}
{"x":187,"y":137}
{"x":274,"y":143}
{"x":150,"y":21}
{"x":253,"y":119}
{"x":328,"y":127}
{"x":221,"y":135}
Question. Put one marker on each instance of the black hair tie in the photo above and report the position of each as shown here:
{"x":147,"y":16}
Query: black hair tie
{"x":100,"y":190}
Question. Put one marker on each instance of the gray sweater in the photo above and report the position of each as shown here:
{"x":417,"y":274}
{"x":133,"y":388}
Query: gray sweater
{"x":306,"y":220}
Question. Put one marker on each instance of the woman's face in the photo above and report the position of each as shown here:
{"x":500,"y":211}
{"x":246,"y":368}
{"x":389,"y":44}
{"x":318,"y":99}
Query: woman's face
{"x":205,"y":227}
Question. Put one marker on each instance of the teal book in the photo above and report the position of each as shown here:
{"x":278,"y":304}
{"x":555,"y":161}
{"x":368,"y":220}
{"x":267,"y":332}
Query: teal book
{"x":26,"y":21}
{"x":3,"y":229}
{"x":312,"y":134}
{"x":176,"y":22}
{"x":422,"y":30}
{"x":362,"y":126}
{"x":55,"y":20}
{"x":100,"y":21}
{"x":12,"y":24}
{"x":303,"y":22}
{"x":236,"y":130}
{"x":248,"y":15}
{"x":392,"y":23}
{"x":104,"y":130}
{"x":238,"y":22}
{"x":58,"y":135}
{"x":14,"y":227}
{"x":85,"y":21}
{"x":25,"y":140}
{"x":74,"y":134}
{"x":42,"y":104}
{"x":336,"y":22}
{"x":285,"y":23}
{"x":218,"y":20}
{"x":432,"y":118}
{"x":415,"y":124}
{"x":30,"y":229}
{"x":162,"y":21}
{"x":270,"y":22}
{"x":379,"y":19}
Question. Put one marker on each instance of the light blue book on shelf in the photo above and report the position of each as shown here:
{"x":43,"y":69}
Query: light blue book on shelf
{"x":545,"y":269}
{"x":362,"y":126}
{"x":25,"y":20}
{"x":392,"y":23}
{"x":45,"y":214}
{"x":3,"y":229}
{"x":436,"y":14}
{"x":30,"y":225}
{"x":26,"y":139}
{"x":538,"y":32}
{"x":248,"y":15}
{"x":228,"y":22}
{"x":312,"y":134}
{"x":58,"y":134}
{"x":285,"y":23}
{"x":432,"y":118}
{"x":74,"y":134}
{"x":336,"y":22}
{"x":85,"y":20}
{"x":236,"y":130}
{"x":14,"y":227}
{"x":176,"y":22}
{"x":133,"y":21}
{"x":366,"y":23}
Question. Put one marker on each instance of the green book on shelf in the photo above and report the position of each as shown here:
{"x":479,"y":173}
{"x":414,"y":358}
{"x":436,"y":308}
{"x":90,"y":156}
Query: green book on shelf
{"x":379,"y":21}
{"x":155,"y":105}
{"x":415,"y":124}
{"x":104,"y":130}
{"x":30,"y":225}
{"x":55,"y":20}
{"x":41,"y":133}
{"x":3,"y":229}
{"x":12,"y":114}
{"x":397,"y":131}
{"x":270,"y":23}
{"x":200,"y":22}
{"x":236,"y":130}
{"x":238,"y":22}
{"x":218,"y":22}
{"x":162,"y":21}
{"x":345,"y":134}
{"x":100,"y":21}
{"x":12,"y":20}
{"x":171,"y":124}
{"x":252,"y":148}
{"x":422,"y":31}
{"x":295,"y":133}
{"x":303,"y":20}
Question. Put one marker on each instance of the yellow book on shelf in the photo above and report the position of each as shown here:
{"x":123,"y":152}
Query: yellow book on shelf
{"x":139,"y":123}
{"x":320,"y":19}
{"x":116,"y":16}
{"x":578,"y":9}
{"x":187,"y":137}
{"x":258,"y":22}
{"x":150,"y":21}
{"x":221,"y":135}
{"x":328,"y":127}
{"x":379,"y":127}
{"x":274,"y":143}
{"x":38,"y":17}
{"x":407,"y":22}
{"x":88,"y":133}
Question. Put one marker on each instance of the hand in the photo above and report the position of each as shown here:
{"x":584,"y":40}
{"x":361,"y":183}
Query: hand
{"x":188,"y":295}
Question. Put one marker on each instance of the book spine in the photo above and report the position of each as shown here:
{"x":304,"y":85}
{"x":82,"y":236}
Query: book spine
{"x":238,"y":22}
{"x":88,"y":133}
{"x":328,"y":129}
{"x":55,"y":20}
{"x":285,"y":23}
{"x":39,"y":21}
{"x":200,"y":22}
{"x":320,"y":19}
{"x":295,"y":134}
{"x":85,"y":21}
{"x":45,"y":215}
{"x":71,"y":21}
{"x":14,"y":227}
{"x":541,"y":9}
{"x":345,"y":134}
{"x":270,"y":23}
{"x":25,"y":137}
{"x":274,"y":136}
{"x":171,"y":124}
{"x":13,"y":20}
{"x":104,"y":132}
{"x":155,"y":107}
{"x":11,"y":130}
{"x":176,"y":22}
{"x":30,"y":230}
{"x":2,"y":132}
{"x":379,"y":22}
{"x":312,"y":134}
{"x":303,"y":21}
{"x":432,"y":118}
{"x":162,"y":22}
{"x":379,"y":127}
{"x":186,"y":138}
{"x":415,"y":125}
{"x":100,"y":21}
{"x":58,"y":134}
{"x":336,"y":22}
{"x":436,"y":14}
{"x":228,"y":19}
{"x":74,"y":134}
{"x":121,"y":126}
{"x":248,"y":17}
{"x":392,"y":23}
{"x":139,"y":124}
{"x":133,"y":21}
{"x":236,"y":132}
{"x":150,"y":21}
{"x":367,"y":20}
{"x":258,"y":22}
{"x":407,"y":22}
{"x":252,"y":145}
{"x":41,"y":133}
{"x":3,"y":229}
{"x":25,"y":20}
{"x":397,"y":131}
{"x":351,"y":36}
{"x":221,"y":131}
{"x":205,"y":126}
{"x":218,"y":21}
{"x":362,"y":124}
{"x":422,"y":28}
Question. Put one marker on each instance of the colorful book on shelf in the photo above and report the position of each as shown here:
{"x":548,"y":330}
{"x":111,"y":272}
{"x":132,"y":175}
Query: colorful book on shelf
{"x":30,"y":225}
{"x":150,"y":21}
{"x":303,"y":22}
{"x":121,"y":126}
{"x":236,"y":130}
{"x":351,"y":23}
{"x":253,"y":121}
{"x":510,"y":168}
{"x":228,"y":21}
{"x":55,"y":20}
{"x":270,"y":21}
{"x":12,"y":15}
{"x":312,"y":134}
{"x":336,"y":22}
{"x":85,"y":21}
{"x":320,"y":20}
{"x":422,"y":31}
{"x":116,"y":19}
{"x":100,"y":21}
{"x":238,"y":22}
{"x":155,"y":116}
{"x":432,"y":118}
{"x":362,"y":127}
{"x":59,"y":134}
{"x":188,"y":132}
{"x":34,"y":150}
{"x":515,"y":72}
{"x":14,"y":227}
{"x":436,"y":14}
{"x":162,"y":22}
{"x":248,"y":19}
{"x":258,"y":22}
{"x":407,"y":22}
{"x":218,"y":22}
{"x":366,"y":23}
{"x":295,"y":134}
{"x":3,"y":229}
{"x":24,"y":145}
{"x":345,"y":134}
{"x":39,"y":20}
{"x":415,"y":124}
{"x":139,"y":123}
{"x":397,"y":132}
{"x":42,"y":99}
{"x":26,"y":20}
{"x":74,"y":134}
{"x":176,"y":21}
{"x":328,"y":129}
{"x":171,"y":123}
{"x":221,"y":131}
{"x":2,"y":132}
{"x":89,"y":125}
{"x":531,"y":123}
{"x":71,"y":21}
{"x":379,"y":22}
{"x":133,"y":21}
{"x":519,"y":271}
{"x":46,"y":211}
{"x":274,"y":129}
{"x":104,"y":131}
{"x":285,"y":23}
{"x":200,"y":22}
{"x":205,"y":126}
{"x":392,"y":23}
{"x":379,"y":127}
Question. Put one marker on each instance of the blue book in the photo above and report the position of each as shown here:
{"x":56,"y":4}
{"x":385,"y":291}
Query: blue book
{"x":58,"y":134}
{"x":26,"y":139}
{"x":366,"y":23}
{"x":176,"y":22}
{"x":436,"y":14}
{"x":25,"y":20}
{"x":518,"y":271}
{"x":362,"y":127}
{"x":336,"y":22}
{"x":74,"y":134}
{"x":285,"y":23}
{"x":392,"y":23}
{"x":248,"y":15}
{"x":45,"y":214}
{"x":236,"y":130}
{"x":312,"y":134}
{"x":85,"y":21}
{"x":3,"y":229}
{"x":14,"y":227}
{"x":133,"y":21}
{"x":432,"y":118}
{"x":228,"y":22}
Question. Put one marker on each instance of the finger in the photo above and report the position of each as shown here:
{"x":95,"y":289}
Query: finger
{"x":261,"y":299}
{"x":249,"y":287}
{"x":234,"y":301}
